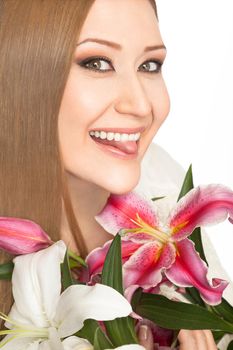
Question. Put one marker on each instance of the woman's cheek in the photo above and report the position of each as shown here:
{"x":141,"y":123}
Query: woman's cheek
{"x":161,"y":106}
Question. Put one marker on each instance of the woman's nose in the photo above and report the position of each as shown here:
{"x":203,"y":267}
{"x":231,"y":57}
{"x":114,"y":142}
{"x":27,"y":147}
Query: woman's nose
{"x":132,"y":98}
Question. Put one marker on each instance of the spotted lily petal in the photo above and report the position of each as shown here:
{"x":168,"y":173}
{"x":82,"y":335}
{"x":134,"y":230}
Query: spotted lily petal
{"x":95,"y":260}
{"x":145,"y":266}
{"x":203,"y":205}
{"x":189,"y":270}
{"x":121,"y":212}
{"x":20,"y":236}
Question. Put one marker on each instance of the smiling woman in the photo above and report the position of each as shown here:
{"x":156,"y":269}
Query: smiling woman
{"x":80,"y":101}
{"x":115,"y":90}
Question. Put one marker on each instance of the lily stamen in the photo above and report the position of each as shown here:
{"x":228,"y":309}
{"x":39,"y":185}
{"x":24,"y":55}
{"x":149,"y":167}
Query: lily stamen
{"x":158,"y":234}
{"x":9,"y":320}
{"x":20,"y":330}
{"x":137,"y":222}
{"x":7,"y":341}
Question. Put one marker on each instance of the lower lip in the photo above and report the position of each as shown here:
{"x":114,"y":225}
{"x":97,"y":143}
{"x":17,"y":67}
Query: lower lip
{"x":116,"y":152}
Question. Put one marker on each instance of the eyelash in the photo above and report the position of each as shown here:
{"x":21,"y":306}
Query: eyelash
{"x":98,"y":58}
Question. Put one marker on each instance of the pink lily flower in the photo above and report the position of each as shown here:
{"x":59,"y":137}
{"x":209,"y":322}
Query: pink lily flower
{"x":21,"y":236}
{"x":154,"y":248}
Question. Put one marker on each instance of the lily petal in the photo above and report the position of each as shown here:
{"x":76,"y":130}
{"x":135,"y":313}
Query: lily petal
{"x":145,"y":266}
{"x":36,"y":283}
{"x":45,"y":345}
{"x":190,"y":271}
{"x":203,"y":205}
{"x":79,"y":302}
{"x":76,"y":343}
{"x":95,"y":260}
{"x":20,"y":236}
{"x":128,"y":293}
{"x":19,"y":343}
{"x":120,"y":212}
{"x":54,"y":341}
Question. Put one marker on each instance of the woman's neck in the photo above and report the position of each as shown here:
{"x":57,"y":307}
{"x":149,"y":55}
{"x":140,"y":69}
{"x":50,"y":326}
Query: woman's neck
{"x":88,"y":200}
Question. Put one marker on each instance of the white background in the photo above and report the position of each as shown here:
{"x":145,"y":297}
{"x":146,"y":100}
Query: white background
{"x":199,"y":76}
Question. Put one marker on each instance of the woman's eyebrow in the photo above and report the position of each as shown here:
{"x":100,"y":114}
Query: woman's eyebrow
{"x":118,"y":46}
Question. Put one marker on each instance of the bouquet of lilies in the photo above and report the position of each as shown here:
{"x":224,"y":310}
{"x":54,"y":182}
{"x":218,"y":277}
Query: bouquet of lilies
{"x":151,"y":272}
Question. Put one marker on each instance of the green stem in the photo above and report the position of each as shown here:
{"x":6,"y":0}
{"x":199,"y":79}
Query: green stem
{"x":76,"y":258}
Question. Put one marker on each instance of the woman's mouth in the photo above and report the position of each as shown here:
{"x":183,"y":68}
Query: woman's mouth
{"x":121,"y":145}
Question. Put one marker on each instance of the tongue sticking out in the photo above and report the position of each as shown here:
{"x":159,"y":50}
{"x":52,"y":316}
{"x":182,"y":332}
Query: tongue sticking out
{"x":128,"y":147}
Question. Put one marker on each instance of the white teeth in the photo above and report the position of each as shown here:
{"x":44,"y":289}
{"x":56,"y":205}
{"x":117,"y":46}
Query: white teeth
{"x":131,"y":137}
{"x":103,"y":135}
{"x":110,"y":136}
{"x":124,"y":137}
{"x":115,"y":136}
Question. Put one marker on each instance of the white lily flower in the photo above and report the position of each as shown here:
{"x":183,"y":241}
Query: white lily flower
{"x":41,"y":317}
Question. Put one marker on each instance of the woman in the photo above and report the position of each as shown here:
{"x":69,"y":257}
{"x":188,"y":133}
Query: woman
{"x":73,"y":73}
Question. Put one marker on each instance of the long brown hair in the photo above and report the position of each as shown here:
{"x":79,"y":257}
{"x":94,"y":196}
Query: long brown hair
{"x":38,"y":39}
{"x":37,"y":45}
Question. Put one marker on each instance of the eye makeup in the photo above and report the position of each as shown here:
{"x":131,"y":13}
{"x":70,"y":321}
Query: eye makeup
{"x":86,"y":64}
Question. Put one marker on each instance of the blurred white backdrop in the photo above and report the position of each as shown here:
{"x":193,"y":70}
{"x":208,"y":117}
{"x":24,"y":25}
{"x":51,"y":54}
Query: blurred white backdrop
{"x":199,"y":75}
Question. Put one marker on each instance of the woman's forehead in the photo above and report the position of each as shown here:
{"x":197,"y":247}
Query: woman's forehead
{"x":122,"y":20}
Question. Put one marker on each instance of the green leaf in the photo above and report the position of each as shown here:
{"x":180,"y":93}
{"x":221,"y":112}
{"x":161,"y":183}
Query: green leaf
{"x":196,"y":238}
{"x":187,"y":183}
{"x":67,"y":279}
{"x":193,"y":295}
{"x":177,"y":315}
{"x":88,"y":330}
{"x":157,"y":198}
{"x":6,"y":270}
{"x":112,"y":270}
{"x":121,"y":330}
{"x":196,"y":234}
{"x":230,"y":346}
{"x":218,"y":335}
{"x":100,"y":341}
{"x":224,"y":310}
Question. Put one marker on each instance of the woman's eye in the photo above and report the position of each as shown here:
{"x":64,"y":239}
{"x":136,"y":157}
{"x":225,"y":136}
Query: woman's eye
{"x":99,"y":64}
{"x":151,"y":66}
{"x":102,"y":65}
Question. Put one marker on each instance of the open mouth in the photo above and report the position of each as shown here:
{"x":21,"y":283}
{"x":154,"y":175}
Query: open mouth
{"x":125,"y":144}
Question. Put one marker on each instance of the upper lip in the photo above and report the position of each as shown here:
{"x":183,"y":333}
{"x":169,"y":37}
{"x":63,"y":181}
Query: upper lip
{"x":121,"y":130}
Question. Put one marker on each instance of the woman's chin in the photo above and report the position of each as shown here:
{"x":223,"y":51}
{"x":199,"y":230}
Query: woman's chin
{"x":121,"y":184}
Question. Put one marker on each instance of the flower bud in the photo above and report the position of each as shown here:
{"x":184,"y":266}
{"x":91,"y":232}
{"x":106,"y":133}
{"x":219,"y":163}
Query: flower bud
{"x":21,"y":236}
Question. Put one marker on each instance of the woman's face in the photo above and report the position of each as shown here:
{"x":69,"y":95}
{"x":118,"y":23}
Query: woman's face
{"x":115,"y":84}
